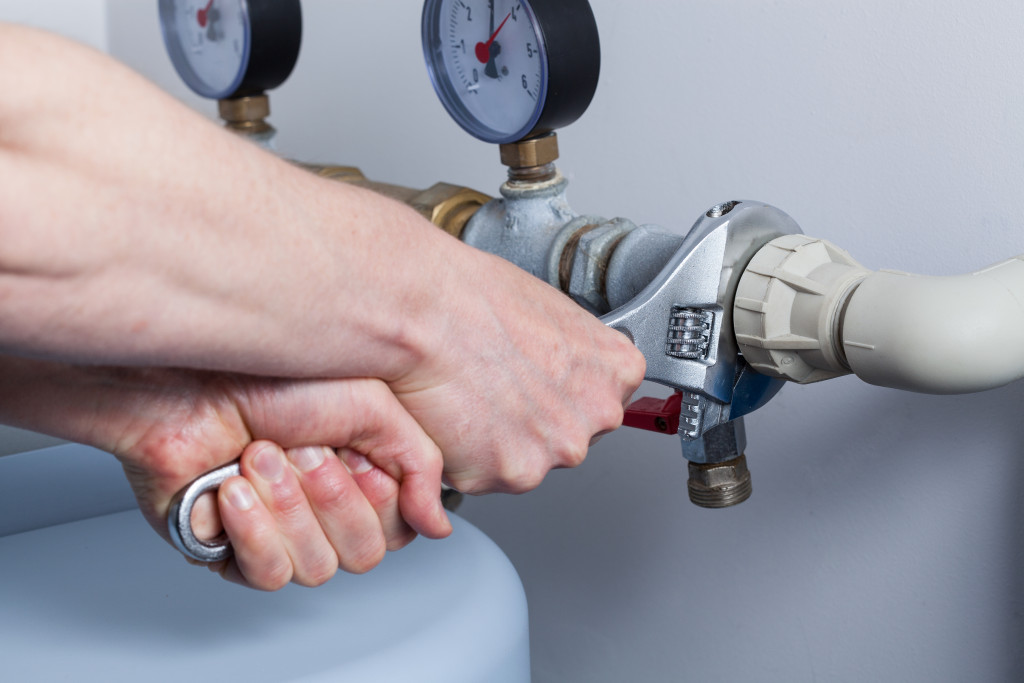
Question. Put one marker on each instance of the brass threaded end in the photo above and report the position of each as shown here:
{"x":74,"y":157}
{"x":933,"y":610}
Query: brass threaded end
{"x":719,"y":485}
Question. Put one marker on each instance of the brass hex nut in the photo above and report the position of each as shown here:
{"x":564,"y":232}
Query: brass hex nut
{"x":244,"y":109}
{"x":530,"y":153}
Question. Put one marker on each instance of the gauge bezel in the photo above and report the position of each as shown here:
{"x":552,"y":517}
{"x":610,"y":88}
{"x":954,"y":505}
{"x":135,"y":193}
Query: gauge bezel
{"x":273,"y":37}
{"x":570,"y":57}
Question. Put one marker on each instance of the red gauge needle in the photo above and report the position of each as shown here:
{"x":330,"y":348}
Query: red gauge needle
{"x":483,"y":50}
{"x":204,"y":14}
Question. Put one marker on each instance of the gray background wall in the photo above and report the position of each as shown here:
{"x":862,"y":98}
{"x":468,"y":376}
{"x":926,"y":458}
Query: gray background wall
{"x":883,"y":541}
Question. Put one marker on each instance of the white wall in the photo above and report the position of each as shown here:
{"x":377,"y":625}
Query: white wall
{"x":83,"y":20}
{"x":883,"y":541}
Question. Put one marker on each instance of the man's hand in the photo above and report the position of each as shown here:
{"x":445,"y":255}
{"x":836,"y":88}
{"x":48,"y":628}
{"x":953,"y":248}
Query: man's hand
{"x":522,"y":380}
{"x":297,"y":514}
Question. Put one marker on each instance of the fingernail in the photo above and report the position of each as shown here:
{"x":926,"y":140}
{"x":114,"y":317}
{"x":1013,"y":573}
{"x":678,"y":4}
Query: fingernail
{"x":240,"y":495}
{"x":307,"y":459}
{"x":269,"y":464}
{"x":356,"y":463}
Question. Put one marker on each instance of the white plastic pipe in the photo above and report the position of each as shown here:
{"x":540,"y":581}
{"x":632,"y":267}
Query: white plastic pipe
{"x":806,"y":311}
{"x":938,"y":335}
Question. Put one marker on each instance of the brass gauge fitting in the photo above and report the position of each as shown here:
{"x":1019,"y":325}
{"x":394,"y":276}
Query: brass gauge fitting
{"x":531,"y":160}
{"x":246,"y":115}
{"x":449,"y":207}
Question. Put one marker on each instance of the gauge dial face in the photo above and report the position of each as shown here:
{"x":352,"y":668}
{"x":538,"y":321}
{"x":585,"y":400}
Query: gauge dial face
{"x":489,"y":65}
{"x":209,"y":43}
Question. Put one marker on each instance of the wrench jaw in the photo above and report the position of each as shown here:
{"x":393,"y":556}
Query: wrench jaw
{"x":682,"y":320}
{"x":702,"y":413}
{"x":682,"y":323}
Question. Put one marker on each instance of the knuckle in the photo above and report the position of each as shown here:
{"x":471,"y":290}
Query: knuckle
{"x":335,"y":496}
{"x":638,"y":363}
{"x":533,"y":480}
{"x":515,"y":474}
{"x":322,"y":572}
{"x":471,"y":486}
{"x":387,"y":497}
{"x":329,"y":492}
{"x":290,"y":507}
{"x":433,"y":458}
{"x":272,"y":578}
{"x":631,"y":364}
{"x":471,"y":480}
{"x":362,"y":559}
{"x":520,"y":476}
{"x":608,"y":417}
{"x":571,"y":449}
{"x":422,"y":460}
{"x":574,"y":455}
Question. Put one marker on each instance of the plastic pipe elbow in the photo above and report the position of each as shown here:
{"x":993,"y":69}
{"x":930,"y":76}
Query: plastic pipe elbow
{"x":805,"y":311}
{"x":938,"y":335}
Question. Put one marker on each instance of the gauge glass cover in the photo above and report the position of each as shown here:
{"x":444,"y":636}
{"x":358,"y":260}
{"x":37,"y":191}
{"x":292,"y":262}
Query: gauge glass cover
{"x":209,"y":42}
{"x":488,"y":64}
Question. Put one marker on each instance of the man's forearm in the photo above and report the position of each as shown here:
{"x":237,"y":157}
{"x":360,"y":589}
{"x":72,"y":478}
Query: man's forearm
{"x":175,"y":243}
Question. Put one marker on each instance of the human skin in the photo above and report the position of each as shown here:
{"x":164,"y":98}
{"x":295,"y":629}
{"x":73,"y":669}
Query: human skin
{"x":296,"y":517}
{"x":133,"y":232}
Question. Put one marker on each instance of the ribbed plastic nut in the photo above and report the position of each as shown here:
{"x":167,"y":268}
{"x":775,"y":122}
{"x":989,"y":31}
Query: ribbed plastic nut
{"x":789,"y":305}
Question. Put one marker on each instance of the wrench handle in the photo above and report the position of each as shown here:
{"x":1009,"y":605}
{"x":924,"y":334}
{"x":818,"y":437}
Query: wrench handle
{"x":179,"y":517}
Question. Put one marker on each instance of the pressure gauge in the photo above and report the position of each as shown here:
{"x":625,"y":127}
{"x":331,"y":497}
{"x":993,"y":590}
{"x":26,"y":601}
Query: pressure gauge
{"x":511,"y":69}
{"x":232,"y":48}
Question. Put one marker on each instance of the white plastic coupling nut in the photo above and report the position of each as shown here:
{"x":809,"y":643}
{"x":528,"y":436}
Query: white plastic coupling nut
{"x":788,"y":308}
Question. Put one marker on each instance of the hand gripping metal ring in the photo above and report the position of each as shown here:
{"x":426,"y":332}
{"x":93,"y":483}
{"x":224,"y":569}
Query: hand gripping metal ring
{"x":179,"y":517}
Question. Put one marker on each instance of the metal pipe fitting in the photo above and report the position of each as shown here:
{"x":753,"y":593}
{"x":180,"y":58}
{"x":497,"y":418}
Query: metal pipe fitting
{"x":637,"y":260}
{"x":247,"y":116}
{"x":719,"y":485}
{"x":532,"y":160}
{"x":529,"y":225}
{"x":449,"y":207}
{"x":681,"y":320}
{"x":671,"y":294}
{"x":586,"y":277}
{"x":724,"y":442}
{"x":718,"y":474}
